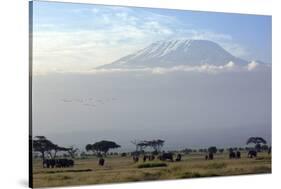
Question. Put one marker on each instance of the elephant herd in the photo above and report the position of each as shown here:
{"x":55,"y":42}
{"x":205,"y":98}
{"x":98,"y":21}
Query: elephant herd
{"x":169,"y":156}
{"x":237,"y":154}
{"x":233,"y":155}
{"x":58,"y":163}
{"x":165,"y":156}
{"x":210,"y":156}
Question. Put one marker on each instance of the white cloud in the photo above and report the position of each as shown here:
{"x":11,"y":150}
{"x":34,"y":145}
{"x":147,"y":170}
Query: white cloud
{"x":107,"y":39}
{"x":252,"y":65}
{"x":88,"y":48}
{"x":205,"y":68}
{"x":230,"y":65}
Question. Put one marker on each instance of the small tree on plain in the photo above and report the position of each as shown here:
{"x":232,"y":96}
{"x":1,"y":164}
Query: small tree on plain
{"x":102,"y":146}
{"x":212,"y":149}
{"x":257,"y":141}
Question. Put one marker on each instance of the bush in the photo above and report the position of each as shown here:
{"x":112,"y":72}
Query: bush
{"x":150,"y":165}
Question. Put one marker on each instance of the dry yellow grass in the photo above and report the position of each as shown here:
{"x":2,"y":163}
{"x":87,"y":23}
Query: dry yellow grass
{"x":123,"y":169}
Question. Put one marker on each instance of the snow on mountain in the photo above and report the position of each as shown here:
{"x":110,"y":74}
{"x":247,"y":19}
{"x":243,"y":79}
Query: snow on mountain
{"x":177,"y":53}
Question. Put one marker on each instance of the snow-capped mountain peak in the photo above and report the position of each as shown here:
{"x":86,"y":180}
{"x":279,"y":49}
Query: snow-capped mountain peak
{"x":171,"y":53}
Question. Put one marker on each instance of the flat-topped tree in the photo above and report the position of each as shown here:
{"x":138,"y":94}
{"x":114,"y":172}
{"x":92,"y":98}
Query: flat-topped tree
{"x":102,"y":146}
{"x":46,"y":147}
{"x":42,"y":144}
{"x":156,"y":144}
{"x":88,"y":148}
{"x":212,"y":149}
{"x":257,"y":141}
{"x":143,"y":144}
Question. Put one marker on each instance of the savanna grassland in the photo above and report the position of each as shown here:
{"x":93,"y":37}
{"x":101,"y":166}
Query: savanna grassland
{"x":122,"y":169}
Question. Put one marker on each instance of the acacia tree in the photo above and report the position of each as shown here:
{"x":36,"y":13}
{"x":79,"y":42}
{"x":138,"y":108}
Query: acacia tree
{"x":88,"y":148}
{"x":43,"y":145}
{"x":102,"y":146}
{"x":212,"y":149}
{"x":257,"y":141}
{"x":46,"y":147}
{"x":156,"y":144}
{"x":143,"y":144}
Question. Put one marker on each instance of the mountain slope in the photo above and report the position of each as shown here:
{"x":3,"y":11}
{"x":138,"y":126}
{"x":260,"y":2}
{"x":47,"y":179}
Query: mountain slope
{"x":177,"y":52}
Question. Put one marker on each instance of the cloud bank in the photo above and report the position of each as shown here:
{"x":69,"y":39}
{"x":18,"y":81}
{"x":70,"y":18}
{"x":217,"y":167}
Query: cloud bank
{"x":205,"y":68}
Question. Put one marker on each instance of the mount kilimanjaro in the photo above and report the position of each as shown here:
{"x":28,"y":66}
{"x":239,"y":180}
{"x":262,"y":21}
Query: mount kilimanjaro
{"x":172,"y":53}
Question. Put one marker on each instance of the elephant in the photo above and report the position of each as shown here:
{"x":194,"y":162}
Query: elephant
{"x":166,"y":156}
{"x":49,"y":163}
{"x":61,"y":163}
{"x":136,"y":159}
{"x":252,"y":153}
{"x":178,"y":157}
{"x":144,"y":158}
{"x":206,"y":157}
{"x":238,"y":155}
{"x":232,"y":155}
{"x":101,"y":161}
{"x":211,"y":156}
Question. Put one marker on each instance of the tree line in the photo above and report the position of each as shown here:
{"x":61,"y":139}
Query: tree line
{"x":49,"y":150}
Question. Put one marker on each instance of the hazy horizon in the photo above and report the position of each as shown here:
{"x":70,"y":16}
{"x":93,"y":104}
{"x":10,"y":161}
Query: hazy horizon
{"x":186,"y":110}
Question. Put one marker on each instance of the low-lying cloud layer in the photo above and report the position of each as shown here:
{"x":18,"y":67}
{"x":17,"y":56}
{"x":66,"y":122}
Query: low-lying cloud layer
{"x":188,"y":108}
{"x":205,"y":68}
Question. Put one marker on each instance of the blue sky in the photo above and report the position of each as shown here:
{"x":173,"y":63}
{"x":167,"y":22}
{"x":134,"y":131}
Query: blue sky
{"x":65,"y":33}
